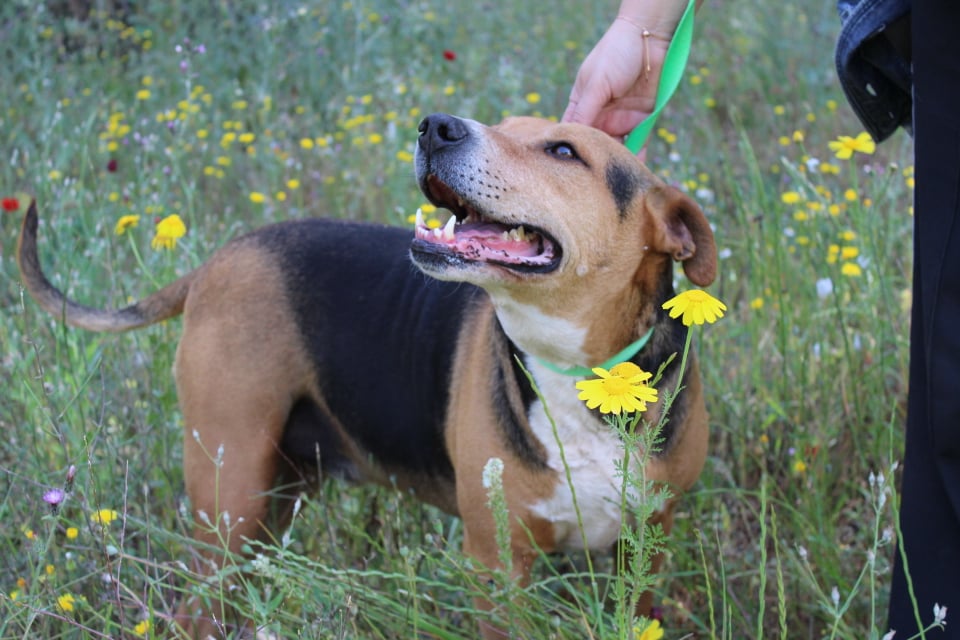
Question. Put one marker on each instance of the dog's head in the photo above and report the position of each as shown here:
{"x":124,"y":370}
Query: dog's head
{"x":552,"y":215}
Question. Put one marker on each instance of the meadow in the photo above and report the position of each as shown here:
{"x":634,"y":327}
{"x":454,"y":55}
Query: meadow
{"x":233,"y":114}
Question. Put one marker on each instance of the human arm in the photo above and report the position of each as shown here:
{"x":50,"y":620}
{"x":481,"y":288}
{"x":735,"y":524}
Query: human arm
{"x":616,"y":86}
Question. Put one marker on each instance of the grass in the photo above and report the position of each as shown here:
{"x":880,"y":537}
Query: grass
{"x":235,"y":114}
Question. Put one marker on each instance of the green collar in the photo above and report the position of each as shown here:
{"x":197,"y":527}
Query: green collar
{"x":670,"y":74}
{"x":631,"y":350}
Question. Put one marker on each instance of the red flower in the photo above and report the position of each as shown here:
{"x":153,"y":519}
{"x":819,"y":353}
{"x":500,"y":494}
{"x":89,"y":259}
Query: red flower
{"x":9,"y":205}
{"x":112,"y":165}
{"x":449,"y":55}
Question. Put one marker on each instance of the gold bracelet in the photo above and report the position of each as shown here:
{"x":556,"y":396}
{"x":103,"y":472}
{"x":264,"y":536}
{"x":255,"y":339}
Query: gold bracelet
{"x":646,"y":34}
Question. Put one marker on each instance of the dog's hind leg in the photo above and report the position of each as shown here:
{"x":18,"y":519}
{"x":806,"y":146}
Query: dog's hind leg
{"x":240,"y":367}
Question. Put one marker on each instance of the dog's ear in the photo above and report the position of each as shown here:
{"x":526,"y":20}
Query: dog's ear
{"x":682,"y":231}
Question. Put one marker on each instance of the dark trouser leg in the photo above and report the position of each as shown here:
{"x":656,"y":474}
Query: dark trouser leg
{"x":930,"y":509}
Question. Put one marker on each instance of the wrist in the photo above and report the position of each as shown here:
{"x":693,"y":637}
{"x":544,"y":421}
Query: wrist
{"x":658,"y":18}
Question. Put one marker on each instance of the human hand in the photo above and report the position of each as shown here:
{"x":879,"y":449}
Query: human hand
{"x":616,"y":86}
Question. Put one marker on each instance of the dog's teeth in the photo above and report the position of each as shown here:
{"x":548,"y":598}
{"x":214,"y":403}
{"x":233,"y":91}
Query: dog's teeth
{"x":518,"y":234}
{"x":448,"y":233}
{"x":419,"y":222}
{"x":505,"y":236}
{"x":438,"y":233}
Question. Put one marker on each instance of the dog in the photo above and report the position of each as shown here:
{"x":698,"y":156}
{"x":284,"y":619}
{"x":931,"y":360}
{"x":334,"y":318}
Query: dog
{"x":385,"y":355}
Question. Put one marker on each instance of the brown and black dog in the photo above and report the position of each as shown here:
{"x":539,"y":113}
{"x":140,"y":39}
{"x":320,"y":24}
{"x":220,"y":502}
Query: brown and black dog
{"x":315,"y":340}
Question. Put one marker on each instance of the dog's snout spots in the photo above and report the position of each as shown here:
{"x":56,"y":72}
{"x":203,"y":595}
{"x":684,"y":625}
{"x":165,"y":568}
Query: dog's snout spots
{"x":623,"y":184}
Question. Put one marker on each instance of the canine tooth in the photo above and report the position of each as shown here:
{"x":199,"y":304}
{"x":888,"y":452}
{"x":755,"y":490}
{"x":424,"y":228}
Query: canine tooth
{"x":448,"y":228}
{"x":521,"y":233}
{"x":419,"y":221}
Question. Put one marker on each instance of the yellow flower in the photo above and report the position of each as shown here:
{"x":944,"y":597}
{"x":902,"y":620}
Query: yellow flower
{"x":257,"y":198}
{"x":652,"y":631}
{"x":72,"y":533}
{"x":790,"y":197}
{"x":66,"y":602}
{"x":845,"y":146}
{"x":143,"y":94}
{"x":696,"y":307}
{"x":799,"y":466}
{"x":126,"y":222}
{"x":756,"y":303}
{"x":104,"y":516}
{"x":169,"y":230}
{"x":851,"y":269}
{"x":621,"y":389}
{"x":533,"y":97}
{"x":142,"y":628}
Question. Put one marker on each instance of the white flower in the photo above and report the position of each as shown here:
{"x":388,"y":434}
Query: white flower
{"x":824,"y":287}
{"x":939,"y":614}
{"x":492,"y":473}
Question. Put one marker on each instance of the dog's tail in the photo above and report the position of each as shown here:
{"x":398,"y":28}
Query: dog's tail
{"x":165,"y":303}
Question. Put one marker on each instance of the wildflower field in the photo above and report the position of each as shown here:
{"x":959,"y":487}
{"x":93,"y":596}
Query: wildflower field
{"x":150,"y":133}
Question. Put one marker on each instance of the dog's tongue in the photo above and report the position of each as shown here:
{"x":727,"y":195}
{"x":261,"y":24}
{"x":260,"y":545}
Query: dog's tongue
{"x":495,"y":238}
{"x":489,"y":242}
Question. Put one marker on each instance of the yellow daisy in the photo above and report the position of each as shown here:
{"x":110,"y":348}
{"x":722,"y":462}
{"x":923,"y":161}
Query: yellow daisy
{"x":126,"y":222}
{"x":66,"y":602}
{"x":696,"y":307}
{"x":169,"y":230}
{"x":845,"y":146}
{"x":652,"y":631}
{"x":621,"y":389}
{"x":104,"y":516}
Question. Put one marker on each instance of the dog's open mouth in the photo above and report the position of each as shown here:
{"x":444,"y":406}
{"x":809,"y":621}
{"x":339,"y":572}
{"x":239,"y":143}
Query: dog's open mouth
{"x":472,"y":236}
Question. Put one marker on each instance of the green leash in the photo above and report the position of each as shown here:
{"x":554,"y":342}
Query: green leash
{"x":631,"y":350}
{"x":673,"y":66}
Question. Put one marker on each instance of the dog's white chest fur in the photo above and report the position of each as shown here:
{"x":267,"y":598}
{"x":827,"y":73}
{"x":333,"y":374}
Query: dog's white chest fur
{"x":592,"y":451}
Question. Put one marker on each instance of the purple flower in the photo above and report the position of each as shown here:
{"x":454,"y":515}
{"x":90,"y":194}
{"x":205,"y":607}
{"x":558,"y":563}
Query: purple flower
{"x":54,"y":497}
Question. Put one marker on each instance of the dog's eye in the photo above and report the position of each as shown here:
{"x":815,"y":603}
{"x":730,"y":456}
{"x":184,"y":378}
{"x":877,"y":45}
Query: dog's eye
{"x":563,"y":151}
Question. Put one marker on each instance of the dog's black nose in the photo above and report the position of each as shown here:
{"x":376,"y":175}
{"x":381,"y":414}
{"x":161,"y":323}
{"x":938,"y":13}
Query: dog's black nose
{"x":441,"y":130}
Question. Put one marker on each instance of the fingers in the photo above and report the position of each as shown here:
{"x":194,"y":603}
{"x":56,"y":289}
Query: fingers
{"x":584,"y":106}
